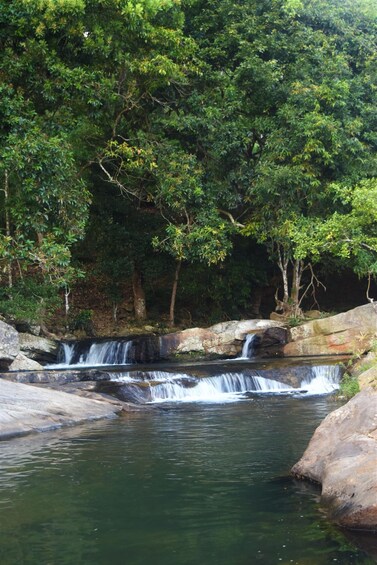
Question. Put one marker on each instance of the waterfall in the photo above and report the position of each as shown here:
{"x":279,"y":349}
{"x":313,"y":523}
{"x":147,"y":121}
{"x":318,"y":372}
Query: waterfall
{"x":221,"y":388}
{"x":94,"y":353}
{"x":248,"y":346}
{"x":162,"y":386}
{"x":324,"y":379}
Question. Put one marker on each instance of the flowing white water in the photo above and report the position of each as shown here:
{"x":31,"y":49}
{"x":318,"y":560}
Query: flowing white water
{"x":229,"y":387}
{"x":248,"y":346}
{"x":151,"y":376}
{"x":163,"y":386}
{"x":112,"y":352}
{"x":325,"y":380}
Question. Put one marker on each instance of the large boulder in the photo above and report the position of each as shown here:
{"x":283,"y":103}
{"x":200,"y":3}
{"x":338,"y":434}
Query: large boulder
{"x":225,"y":339}
{"x":9,"y":345}
{"x":346,"y":333}
{"x":27,"y":408}
{"x":342,"y":457}
{"x":38,"y":348}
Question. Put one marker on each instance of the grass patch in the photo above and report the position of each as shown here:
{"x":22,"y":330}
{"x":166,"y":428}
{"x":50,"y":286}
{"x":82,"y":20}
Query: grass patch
{"x":349,"y":386}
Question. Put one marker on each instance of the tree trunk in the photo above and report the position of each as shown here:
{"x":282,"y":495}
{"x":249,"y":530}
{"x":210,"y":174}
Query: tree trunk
{"x":7,"y":226}
{"x":296,"y":287}
{"x":174,"y":295}
{"x":290,"y":305}
{"x":283,"y":263}
{"x":140,"y":308}
{"x":67,"y":292}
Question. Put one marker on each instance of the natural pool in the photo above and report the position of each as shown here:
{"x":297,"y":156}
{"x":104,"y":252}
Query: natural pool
{"x":180,"y":484}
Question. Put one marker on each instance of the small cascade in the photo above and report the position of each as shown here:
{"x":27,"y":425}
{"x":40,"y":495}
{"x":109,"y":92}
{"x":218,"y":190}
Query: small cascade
{"x":65,"y":354}
{"x":323,"y":380}
{"x":222,"y":388}
{"x":248,"y":347}
{"x":94,"y":353}
{"x":121,"y":351}
{"x":163,"y":386}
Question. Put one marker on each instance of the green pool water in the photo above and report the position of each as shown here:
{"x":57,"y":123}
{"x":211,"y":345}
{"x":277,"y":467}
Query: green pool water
{"x":188,"y":484}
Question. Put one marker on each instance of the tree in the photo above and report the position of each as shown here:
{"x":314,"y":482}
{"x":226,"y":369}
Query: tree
{"x":45,"y":208}
{"x":315,"y":138}
{"x":74,"y":75}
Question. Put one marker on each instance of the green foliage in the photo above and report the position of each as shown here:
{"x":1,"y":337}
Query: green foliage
{"x":28,"y":301}
{"x":349,"y":386}
{"x":207,"y":117}
{"x":83,"y":320}
{"x":294,"y":321}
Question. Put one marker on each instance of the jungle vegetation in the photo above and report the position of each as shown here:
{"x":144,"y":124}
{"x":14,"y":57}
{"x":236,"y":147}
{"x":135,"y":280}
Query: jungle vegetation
{"x":193,"y":150}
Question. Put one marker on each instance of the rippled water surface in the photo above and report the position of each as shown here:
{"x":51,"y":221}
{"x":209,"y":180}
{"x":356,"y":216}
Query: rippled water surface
{"x":180,"y":485}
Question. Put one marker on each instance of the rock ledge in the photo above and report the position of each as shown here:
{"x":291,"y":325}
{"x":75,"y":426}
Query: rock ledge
{"x":26,"y":409}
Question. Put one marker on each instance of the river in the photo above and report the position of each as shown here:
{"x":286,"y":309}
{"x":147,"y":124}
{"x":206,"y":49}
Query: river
{"x":175,"y":484}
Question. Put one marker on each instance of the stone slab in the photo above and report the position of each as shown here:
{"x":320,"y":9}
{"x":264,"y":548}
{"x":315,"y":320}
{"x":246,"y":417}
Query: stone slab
{"x":25,"y":409}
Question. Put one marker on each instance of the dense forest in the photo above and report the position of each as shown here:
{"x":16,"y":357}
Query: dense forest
{"x":172,"y":160}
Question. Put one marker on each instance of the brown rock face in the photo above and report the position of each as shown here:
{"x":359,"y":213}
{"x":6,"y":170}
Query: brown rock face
{"x":345,"y":333}
{"x":225,"y":338}
{"x":342,"y":456}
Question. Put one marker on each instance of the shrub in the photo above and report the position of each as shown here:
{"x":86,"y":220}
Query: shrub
{"x":349,"y":386}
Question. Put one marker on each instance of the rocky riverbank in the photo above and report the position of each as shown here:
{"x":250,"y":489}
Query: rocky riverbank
{"x":342,"y":457}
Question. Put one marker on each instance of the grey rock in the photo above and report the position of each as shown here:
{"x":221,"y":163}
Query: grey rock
{"x":23,"y":363}
{"x":9,"y":345}
{"x":25,"y":409}
{"x":38,"y":348}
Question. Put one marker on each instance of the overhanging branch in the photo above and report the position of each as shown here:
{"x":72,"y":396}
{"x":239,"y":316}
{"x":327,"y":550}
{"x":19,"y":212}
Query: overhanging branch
{"x":231,"y":218}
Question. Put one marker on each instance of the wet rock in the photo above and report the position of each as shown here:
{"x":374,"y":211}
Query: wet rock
{"x":342,"y":457}
{"x":9,"y":345}
{"x":28,"y":327}
{"x":43,"y":377}
{"x":130,"y":392}
{"x":272,"y":339}
{"x":346,"y":333}
{"x":145,"y":349}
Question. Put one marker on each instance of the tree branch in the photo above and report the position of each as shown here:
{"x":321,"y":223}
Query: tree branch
{"x":229,"y":215}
